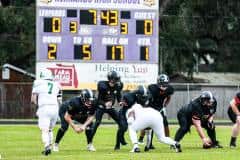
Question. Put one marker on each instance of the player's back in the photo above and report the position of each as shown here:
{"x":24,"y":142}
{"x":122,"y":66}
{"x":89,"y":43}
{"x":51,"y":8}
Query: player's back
{"x":47,"y":91}
{"x":144,"y":112}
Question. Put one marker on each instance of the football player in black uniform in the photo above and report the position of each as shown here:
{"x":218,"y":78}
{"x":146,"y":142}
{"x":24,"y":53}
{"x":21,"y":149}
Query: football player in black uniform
{"x":80,"y":109}
{"x":234,"y":115}
{"x":140,"y":96}
{"x":108,"y":92}
{"x":160,"y":95}
{"x":199,"y":112}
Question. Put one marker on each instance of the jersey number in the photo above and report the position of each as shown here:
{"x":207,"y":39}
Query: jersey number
{"x":50,"y":87}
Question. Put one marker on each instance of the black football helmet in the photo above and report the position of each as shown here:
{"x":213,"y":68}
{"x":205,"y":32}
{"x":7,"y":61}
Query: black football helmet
{"x":114,"y":76}
{"x":207,"y":95}
{"x":87,"y":97}
{"x":142,"y":95}
{"x":162,"y":79}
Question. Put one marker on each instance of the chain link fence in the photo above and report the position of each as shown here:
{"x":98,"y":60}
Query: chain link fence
{"x":15,"y":99}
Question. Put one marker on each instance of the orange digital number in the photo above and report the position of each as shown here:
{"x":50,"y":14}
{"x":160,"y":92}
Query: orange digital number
{"x":56,"y":24}
{"x":52,"y":51}
{"x":73,"y":26}
{"x":124,"y":28}
{"x":148,"y":27}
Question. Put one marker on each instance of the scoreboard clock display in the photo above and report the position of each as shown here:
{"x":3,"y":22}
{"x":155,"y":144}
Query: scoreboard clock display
{"x":79,"y":34}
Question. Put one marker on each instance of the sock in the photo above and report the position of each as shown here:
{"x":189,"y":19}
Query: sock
{"x":50,"y":136}
{"x":149,"y":137}
{"x":59,"y":136}
{"x":133,"y":135}
{"x":233,"y":140}
{"x":45,"y":138}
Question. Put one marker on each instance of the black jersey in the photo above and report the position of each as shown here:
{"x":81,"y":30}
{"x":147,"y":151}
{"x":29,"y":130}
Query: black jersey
{"x":77,"y":109}
{"x":157,"y":95}
{"x":107,"y":93}
{"x":196,"y":110}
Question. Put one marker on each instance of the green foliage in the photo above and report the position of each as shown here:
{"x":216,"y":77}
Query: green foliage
{"x":17,"y":34}
{"x":199,"y":28}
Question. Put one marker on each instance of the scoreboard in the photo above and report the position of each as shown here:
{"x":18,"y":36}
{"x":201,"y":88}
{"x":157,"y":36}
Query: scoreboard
{"x":81,"y":40}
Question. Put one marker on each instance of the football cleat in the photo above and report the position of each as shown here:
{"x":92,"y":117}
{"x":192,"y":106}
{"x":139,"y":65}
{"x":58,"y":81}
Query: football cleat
{"x":135,"y":150}
{"x":233,"y":145}
{"x":146,"y":149}
{"x":177,"y":147}
{"x":55,"y":147}
{"x":47,"y":151}
{"x":124,"y":143}
{"x":172,"y":147}
{"x":216,"y":145}
{"x":91,"y":148}
{"x":117,"y":147}
{"x":151,"y":147}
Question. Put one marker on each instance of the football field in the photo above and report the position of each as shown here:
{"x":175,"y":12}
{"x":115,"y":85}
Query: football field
{"x":22,"y":142}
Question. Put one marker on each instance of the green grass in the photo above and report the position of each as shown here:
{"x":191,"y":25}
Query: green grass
{"x":18,"y":142}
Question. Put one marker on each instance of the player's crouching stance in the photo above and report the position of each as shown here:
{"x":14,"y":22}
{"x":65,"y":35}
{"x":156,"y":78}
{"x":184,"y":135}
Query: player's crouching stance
{"x":199,"y":112}
{"x":44,"y":95}
{"x":139,"y":118}
{"x":80,"y":109}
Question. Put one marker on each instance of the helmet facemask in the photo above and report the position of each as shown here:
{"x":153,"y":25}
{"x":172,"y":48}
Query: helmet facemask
{"x":87,"y":98}
{"x":113,"y":78}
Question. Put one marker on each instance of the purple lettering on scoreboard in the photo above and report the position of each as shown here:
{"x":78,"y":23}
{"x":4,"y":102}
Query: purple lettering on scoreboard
{"x":97,"y":35}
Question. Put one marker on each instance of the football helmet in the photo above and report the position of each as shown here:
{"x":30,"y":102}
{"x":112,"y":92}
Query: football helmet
{"x":207,"y":95}
{"x":114,"y":76}
{"x":142,"y":95}
{"x":87,"y":97}
{"x":162,"y":78}
{"x":46,"y":74}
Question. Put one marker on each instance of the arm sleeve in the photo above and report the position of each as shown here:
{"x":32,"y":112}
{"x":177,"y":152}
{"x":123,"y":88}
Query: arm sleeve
{"x":170,"y":90}
{"x":35,"y":86}
{"x":119,"y":91}
{"x":71,"y":106}
{"x":196,"y":113}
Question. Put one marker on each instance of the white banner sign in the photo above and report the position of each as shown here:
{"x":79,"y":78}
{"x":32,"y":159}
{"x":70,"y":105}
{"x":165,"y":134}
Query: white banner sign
{"x":105,"y":4}
{"x":74,"y":76}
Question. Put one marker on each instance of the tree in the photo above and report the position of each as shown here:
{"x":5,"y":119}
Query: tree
{"x":17,"y":34}
{"x":203,"y":28}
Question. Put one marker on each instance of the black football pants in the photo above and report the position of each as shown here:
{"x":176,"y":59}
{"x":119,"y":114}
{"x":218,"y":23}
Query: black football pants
{"x":64,"y":128}
{"x":122,"y":127}
{"x":185,"y":123}
{"x":99,"y":114}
